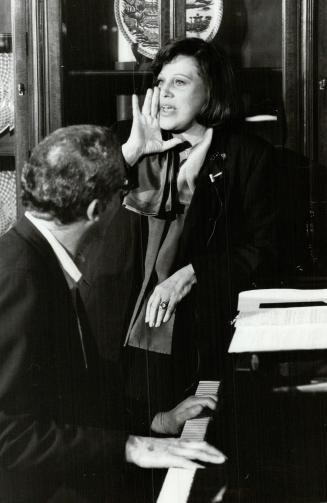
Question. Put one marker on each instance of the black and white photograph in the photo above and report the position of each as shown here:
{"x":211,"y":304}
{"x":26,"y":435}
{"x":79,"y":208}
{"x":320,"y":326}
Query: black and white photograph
{"x":163,"y":251}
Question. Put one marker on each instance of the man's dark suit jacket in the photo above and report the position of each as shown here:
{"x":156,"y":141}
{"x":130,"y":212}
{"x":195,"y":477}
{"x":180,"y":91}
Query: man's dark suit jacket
{"x":228,"y":237}
{"x":54,"y":441}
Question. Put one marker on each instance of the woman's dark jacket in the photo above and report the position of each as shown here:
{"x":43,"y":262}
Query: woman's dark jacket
{"x":228,"y":237}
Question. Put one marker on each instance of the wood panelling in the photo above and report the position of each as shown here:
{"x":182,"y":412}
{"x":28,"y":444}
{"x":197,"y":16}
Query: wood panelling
{"x":291,"y":71}
{"x":22,"y":116}
{"x":321,"y":82}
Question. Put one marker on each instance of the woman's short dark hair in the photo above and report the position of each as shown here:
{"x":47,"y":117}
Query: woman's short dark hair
{"x":69,"y":169}
{"x":216,"y":71}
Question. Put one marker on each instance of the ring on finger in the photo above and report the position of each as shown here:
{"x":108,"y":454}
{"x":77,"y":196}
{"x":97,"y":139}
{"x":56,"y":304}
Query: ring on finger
{"x":164,"y":304}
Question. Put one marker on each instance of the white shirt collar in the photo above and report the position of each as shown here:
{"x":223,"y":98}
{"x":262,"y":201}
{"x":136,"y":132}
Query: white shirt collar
{"x":66,"y":262}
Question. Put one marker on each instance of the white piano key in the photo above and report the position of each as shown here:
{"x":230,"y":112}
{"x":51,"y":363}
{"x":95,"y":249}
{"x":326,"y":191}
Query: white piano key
{"x":177,"y":486}
{"x":178,"y":482}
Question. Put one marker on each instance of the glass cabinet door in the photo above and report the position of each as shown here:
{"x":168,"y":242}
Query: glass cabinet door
{"x":108,"y":46}
{"x":7,"y":164}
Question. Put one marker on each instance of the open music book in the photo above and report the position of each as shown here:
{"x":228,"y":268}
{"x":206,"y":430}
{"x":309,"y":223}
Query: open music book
{"x":280,"y":320}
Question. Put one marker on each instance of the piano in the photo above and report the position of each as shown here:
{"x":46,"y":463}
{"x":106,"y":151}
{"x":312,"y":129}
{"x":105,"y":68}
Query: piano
{"x":273,"y":421}
{"x":199,"y":485}
{"x":279,"y":409}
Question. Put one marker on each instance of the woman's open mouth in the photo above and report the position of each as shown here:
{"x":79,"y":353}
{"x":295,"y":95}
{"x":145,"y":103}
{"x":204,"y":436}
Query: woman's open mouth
{"x":166,"y":109}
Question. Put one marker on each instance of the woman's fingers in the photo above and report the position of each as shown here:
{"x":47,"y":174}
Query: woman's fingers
{"x":165,"y":312}
{"x":146,"y":131}
{"x":170,"y":309}
{"x":135,"y":105}
{"x":155,"y":102}
{"x":159,"y":310}
{"x":151,"y":102}
{"x":160,"y":315}
{"x":146,"y":109}
{"x":152,"y":309}
{"x":157,"y":313}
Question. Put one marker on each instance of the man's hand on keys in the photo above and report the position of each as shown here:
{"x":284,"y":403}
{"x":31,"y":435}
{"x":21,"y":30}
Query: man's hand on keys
{"x":148,"y":452}
{"x":171,"y":422}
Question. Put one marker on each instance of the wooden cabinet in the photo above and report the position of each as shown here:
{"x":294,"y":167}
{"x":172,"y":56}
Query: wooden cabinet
{"x":73,"y":58}
{"x":93,"y":84}
{"x":37,"y":75}
{"x":67,"y":55}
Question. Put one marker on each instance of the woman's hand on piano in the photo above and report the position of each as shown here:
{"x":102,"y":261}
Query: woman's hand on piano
{"x":149,"y":452}
{"x":172,"y":421}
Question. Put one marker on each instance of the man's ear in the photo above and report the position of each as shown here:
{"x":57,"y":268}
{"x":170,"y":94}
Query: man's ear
{"x":92,"y":211}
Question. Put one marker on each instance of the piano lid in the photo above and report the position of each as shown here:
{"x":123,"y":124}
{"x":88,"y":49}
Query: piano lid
{"x":252,"y":300}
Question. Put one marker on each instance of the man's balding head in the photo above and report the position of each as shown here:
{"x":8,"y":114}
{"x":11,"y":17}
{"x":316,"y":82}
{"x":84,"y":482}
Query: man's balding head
{"x":69,"y":169}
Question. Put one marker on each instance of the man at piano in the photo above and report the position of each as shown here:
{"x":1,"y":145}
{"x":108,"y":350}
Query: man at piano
{"x":56,"y":441}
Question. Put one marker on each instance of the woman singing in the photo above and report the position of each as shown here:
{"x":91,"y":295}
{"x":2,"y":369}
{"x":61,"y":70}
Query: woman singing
{"x":201,"y":205}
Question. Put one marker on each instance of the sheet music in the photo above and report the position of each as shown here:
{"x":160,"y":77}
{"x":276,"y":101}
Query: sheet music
{"x":279,"y":338}
{"x":283,"y":316}
{"x":280,"y":329}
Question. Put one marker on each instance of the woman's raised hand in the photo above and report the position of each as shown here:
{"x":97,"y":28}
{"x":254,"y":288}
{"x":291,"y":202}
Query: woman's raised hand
{"x":145,"y":137}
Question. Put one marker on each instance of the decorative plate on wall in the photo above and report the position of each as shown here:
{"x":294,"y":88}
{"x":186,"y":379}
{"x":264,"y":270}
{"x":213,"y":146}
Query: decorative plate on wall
{"x":139,"y":21}
{"x":203,"y":18}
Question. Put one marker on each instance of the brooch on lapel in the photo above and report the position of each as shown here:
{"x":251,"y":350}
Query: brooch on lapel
{"x":217,"y":155}
{"x":213,"y":177}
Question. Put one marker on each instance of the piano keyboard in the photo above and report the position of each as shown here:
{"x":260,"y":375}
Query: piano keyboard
{"x":178,"y":482}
